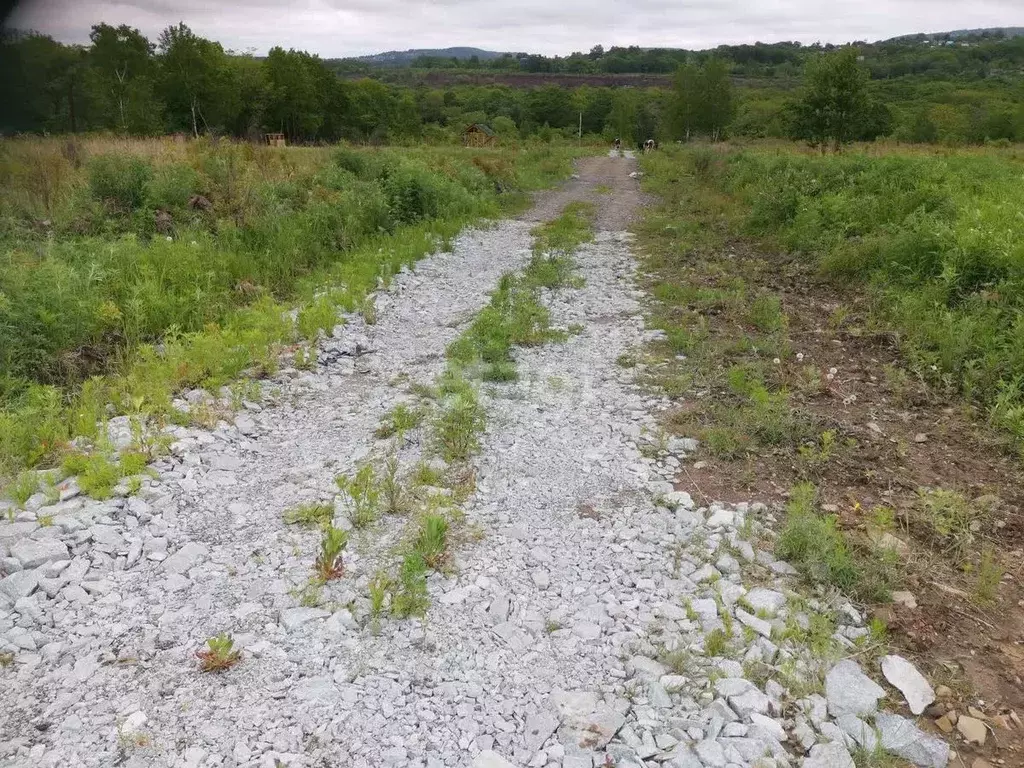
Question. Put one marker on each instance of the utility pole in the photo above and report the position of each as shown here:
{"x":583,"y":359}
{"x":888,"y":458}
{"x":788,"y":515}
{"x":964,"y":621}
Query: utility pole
{"x":580,"y":134}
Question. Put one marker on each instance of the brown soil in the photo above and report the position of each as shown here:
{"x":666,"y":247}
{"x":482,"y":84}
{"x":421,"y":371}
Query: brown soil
{"x":603,"y":181}
{"x":906,"y":437}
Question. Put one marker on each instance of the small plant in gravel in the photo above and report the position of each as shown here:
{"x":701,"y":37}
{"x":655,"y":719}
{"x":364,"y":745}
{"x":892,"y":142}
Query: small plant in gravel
{"x":329,"y":563}
{"x":457,"y":428}
{"x":24,"y":485}
{"x":679,"y":661}
{"x":312,"y":514}
{"x":399,"y":420}
{"x":394,"y":498}
{"x":379,"y":587}
{"x":219,"y":654}
{"x":363,"y":495}
{"x":814,"y":456}
{"x":6,"y":659}
{"x":432,"y":541}
{"x":410,"y":597}
{"x":424,"y":474}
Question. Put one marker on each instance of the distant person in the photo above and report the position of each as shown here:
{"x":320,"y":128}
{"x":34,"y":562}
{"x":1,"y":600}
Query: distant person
{"x":618,"y":144}
{"x":648,"y":146}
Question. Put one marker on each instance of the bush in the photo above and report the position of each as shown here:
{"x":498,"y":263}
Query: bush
{"x":119,"y":180}
{"x":172,"y":186}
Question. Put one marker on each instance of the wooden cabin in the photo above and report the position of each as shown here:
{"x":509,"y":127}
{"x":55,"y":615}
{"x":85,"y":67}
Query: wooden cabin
{"x":479,"y":135}
{"x":275,"y":139}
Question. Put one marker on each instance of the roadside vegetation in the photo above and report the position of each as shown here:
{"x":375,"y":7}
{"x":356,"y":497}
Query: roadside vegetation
{"x":839,"y":332}
{"x":132,"y":270}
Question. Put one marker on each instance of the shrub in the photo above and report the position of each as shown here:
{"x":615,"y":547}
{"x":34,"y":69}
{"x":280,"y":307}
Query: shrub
{"x":119,"y":180}
{"x":172,"y":186}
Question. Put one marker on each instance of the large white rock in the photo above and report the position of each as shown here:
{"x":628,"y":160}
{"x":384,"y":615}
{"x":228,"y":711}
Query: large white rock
{"x":850,"y":692}
{"x":911,"y":683}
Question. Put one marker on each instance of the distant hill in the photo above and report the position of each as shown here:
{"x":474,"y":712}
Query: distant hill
{"x":404,"y":58}
{"x":959,"y":33}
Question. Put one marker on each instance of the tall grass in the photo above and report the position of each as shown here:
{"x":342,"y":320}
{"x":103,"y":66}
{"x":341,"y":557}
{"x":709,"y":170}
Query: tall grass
{"x":132,"y":269}
{"x":938,"y":238}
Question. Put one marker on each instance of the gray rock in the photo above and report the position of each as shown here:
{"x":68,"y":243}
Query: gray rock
{"x":749,"y":702}
{"x":904,"y":739}
{"x":760,"y":626}
{"x":658,"y":696}
{"x":539,"y":728}
{"x":850,"y":692}
{"x":859,"y":731}
{"x":829,"y":756}
{"x":20,"y":584}
{"x":32,"y":554}
{"x":769,"y":600}
{"x":185,"y":558}
{"x":647,"y":669}
{"x":912,"y":684}
{"x":710,"y":753}
{"x":293,"y":618}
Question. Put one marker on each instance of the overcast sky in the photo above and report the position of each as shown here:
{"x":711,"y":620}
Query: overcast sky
{"x":334,"y":28}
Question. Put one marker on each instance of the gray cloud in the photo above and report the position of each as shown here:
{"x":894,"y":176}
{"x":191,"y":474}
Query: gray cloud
{"x":349,"y":27}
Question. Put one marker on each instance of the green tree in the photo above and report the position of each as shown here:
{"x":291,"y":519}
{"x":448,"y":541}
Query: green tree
{"x":702,"y":100}
{"x":295,"y":105}
{"x":122,"y":67}
{"x":834,"y":99}
{"x":622,"y":117}
{"x":193,"y":78}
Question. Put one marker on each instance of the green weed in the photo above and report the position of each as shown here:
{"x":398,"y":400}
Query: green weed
{"x":310,"y":515}
{"x":458,"y":426}
{"x":219,"y":654}
{"x":410,"y":597}
{"x":363,"y":495}
{"x":399,"y":420}
{"x":329,"y":563}
{"x":431,"y":542}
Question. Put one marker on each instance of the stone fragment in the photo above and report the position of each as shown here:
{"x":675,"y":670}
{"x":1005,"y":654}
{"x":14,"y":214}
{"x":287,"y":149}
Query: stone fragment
{"x":185,"y":558}
{"x":904,"y":676}
{"x":904,"y":739}
{"x":32,"y":554}
{"x":972,"y":729}
{"x":830,"y":755}
{"x":293,"y":618}
{"x":19,"y":584}
{"x":539,"y":727}
{"x":849,"y":691}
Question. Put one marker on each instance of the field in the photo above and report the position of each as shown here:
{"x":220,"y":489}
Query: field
{"x":843,"y":335}
{"x":135,"y":269}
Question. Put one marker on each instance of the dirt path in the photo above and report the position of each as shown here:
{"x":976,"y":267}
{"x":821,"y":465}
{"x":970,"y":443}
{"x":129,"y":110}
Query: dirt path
{"x":595,"y":617}
{"x":603,"y":181}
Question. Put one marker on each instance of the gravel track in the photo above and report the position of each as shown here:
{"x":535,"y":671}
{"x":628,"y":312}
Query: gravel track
{"x":571,"y":633}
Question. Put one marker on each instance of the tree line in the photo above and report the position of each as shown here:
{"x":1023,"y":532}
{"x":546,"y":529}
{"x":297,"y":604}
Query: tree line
{"x":125,"y":83}
{"x":973,"y":56}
